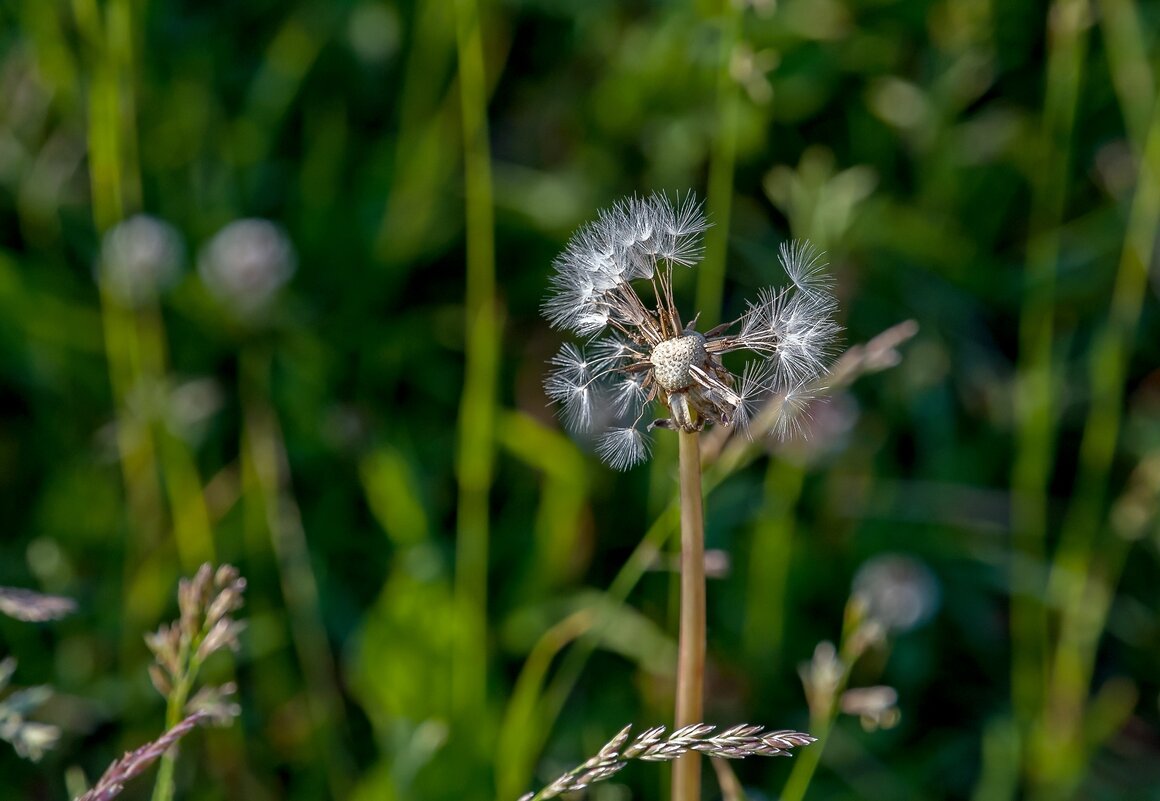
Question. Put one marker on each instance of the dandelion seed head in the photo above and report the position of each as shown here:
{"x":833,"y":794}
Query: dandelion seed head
{"x":673,"y":360}
{"x":613,"y":285}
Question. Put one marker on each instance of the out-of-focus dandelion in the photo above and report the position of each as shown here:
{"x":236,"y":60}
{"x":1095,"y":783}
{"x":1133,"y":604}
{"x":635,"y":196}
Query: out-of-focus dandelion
{"x":141,"y":257}
{"x":898,"y":592}
{"x":246,"y":263}
{"x":643,"y":352}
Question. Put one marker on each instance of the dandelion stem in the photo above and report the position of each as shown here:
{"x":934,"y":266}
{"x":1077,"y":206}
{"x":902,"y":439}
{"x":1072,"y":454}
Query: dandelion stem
{"x":691,"y":642}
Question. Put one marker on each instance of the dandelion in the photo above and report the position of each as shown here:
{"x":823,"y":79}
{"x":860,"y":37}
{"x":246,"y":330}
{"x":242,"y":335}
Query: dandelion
{"x":639,"y":350}
{"x":640,"y":354}
{"x":141,"y":257}
{"x":899,"y":592}
{"x":246,"y":263}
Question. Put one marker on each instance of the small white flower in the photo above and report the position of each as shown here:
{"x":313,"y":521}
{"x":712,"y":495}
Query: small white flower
{"x":640,"y":352}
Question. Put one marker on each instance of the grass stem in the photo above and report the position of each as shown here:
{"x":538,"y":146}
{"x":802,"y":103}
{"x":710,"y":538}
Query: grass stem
{"x":1035,"y":382}
{"x":477,"y":407}
{"x":722,"y":162}
{"x":272,"y":496}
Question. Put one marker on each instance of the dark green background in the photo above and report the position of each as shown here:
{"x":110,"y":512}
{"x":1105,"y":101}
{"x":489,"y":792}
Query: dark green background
{"x":929,"y":147}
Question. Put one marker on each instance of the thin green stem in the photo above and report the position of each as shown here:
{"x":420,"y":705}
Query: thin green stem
{"x":1065,"y":747}
{"x":1083,"y":577}
{"x":521,"y":731}
{"x":769,"y":558}
{"x":174,"y":712}
{"x":1127,"y":53}
{"x":824,"y":708}
{"x":722,"y":160}
{"x":477,"y":408}
{"x":1108,"y":362}
{"x":638,"y":562}
{"x":266,"y":454}
{"x":1035,"y":377}
{"x":106,"y":43}
{"x":691,"y":640}
{"x":806,"y":763}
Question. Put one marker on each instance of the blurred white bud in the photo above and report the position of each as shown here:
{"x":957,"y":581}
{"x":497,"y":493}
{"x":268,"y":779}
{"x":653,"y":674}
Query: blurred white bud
{"x":246,"y":263}
{"x":821,"y":677}
{"x":898,"y":592}
{"x":876,"y":707}
{"x":140,"y":258}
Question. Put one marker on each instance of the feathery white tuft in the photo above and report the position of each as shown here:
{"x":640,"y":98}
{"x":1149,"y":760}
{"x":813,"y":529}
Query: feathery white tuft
{"x":635,"y":352}
{"x":622,"y":448}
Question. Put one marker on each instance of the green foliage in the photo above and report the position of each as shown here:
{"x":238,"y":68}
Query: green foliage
{"x":449,"y":598}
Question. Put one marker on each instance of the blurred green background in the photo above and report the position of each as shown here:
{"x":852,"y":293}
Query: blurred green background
{"x":449,"y":598}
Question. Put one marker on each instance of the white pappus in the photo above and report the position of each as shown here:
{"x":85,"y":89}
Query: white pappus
{"x":639,"y":352}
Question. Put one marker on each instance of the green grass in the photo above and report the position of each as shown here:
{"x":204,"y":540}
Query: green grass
{"x":449,"y":597}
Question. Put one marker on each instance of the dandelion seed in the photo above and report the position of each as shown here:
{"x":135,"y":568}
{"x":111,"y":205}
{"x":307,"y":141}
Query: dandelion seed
{"x":640,"y":351}
{"x":623,"y":448}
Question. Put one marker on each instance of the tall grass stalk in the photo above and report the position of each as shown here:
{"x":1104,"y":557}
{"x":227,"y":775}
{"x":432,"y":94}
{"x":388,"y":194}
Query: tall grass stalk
{"x":272,"y":502}
{"x":163,"y":786}
{"x":1035,"y":381}
{"x":134,"y":339}
{"x":722,"y":161}
{"x":1083,"y":576}
{"x":477,"y":408}
{"x":530,"y":721}
{"x":823,"y":714}
{"x":691,"y":640}
{"x":1109,"y":353}
{"x":770,"y":550}
{"x":111,"y":179}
